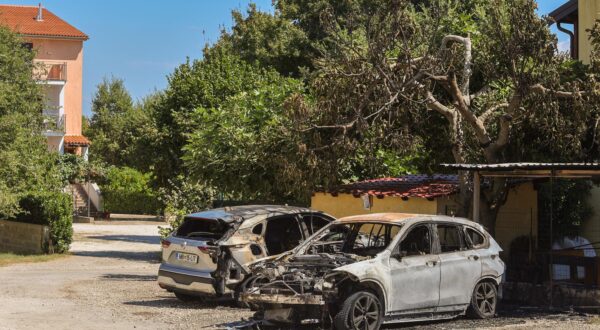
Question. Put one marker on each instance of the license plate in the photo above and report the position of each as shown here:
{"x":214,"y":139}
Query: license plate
{"x":191,"y":258}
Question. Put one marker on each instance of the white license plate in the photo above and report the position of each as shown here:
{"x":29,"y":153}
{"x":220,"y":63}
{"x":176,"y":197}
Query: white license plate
{"x":191,"y":258}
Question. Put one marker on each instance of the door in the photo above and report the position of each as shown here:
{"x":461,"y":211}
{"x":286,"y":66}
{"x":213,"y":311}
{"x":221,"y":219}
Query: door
{"x":282,"y":234}
{"x":415,"y":273}
{"x":461,"y":268}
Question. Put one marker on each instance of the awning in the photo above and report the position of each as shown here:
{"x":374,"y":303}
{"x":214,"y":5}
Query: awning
{"x":531,"y":170}
{"x":76,"y":141}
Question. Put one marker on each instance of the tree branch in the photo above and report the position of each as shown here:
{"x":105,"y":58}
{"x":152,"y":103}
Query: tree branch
{"x":467,"y":58}
{"x":540,"y":89}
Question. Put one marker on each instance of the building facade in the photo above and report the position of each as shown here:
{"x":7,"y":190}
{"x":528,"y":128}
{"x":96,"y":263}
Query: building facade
{"x":58,"y":68}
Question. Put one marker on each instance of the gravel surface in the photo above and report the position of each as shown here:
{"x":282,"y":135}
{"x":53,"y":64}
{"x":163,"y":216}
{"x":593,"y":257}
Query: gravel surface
{"x":109,"y":281}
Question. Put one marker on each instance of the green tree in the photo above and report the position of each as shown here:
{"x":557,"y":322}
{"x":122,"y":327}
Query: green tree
{"x":463,"y":64}
{"x":26,"y":163}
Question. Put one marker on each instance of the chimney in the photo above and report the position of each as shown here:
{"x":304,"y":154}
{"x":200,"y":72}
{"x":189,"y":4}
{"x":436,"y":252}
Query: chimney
{"x":39,"y":16}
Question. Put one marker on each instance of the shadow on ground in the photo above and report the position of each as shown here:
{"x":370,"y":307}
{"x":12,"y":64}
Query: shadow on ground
{"x":146,"y":239}
{"x":148,"y":256}
{"x":129,"y":277}
{"x":507,"y":315}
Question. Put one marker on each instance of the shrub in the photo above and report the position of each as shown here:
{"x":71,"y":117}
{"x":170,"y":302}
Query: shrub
{"x":52,"y":209}
{"x":182,"y":197}
{"x":127,"y":190}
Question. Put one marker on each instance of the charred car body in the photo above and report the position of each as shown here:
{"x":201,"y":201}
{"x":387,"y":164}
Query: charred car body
{"x":362,"y":271}
{"x":208,"y":253}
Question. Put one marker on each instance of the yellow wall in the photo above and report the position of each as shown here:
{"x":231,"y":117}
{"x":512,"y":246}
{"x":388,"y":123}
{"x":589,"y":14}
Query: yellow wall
{"x":588,"y":12}
{"x":590,"y":229}
{"x":345,"y":205}
{"x":516,"y":218}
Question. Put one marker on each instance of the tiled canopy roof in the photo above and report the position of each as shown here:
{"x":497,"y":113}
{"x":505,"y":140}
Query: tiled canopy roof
{"x":422,"y":186}
{"x":76,"y":141}
{"x":22,"y":19}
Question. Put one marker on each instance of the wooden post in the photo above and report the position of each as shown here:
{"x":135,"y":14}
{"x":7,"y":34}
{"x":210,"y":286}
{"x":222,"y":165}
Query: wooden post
{"x":476,"y":195}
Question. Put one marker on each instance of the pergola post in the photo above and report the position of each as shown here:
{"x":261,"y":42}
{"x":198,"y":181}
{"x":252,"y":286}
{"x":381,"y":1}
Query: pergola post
{"x":476,"y":195}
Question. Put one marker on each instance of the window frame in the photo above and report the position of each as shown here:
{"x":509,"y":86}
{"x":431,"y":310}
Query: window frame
{"x":461,"y":233}
{"x":484,"y":245}
{"x":432,"y":239}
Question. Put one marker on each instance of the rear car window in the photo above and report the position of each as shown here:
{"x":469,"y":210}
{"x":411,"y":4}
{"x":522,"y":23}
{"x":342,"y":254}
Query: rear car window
{"x":202,"y":229}
{"x":475,"y":237}
{"x":450,"y":238}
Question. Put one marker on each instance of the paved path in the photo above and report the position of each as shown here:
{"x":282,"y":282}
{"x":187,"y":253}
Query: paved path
{"x":109,"y":282}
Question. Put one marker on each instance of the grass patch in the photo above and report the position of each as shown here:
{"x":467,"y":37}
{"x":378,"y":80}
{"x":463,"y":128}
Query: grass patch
{"x":11,"y":258}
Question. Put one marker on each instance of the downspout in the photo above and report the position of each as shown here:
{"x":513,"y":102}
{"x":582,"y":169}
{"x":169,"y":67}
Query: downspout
{"x":571,"y":35}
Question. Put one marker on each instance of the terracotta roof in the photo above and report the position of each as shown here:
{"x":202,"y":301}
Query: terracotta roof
{"x":414,"y":185}
{"x":22,"y":19}
{"x":76,"y":141}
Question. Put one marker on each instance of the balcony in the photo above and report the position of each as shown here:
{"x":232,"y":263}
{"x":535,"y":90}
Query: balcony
{"x":50,"y":71}
{"x":53,"y":123}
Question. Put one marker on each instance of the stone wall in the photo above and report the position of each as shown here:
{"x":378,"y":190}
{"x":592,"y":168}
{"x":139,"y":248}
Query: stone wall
{"x":19,"y":237}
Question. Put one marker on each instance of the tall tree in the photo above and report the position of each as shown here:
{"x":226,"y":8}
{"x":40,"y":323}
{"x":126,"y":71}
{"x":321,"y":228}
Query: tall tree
{"x":25,"y":162}
{"x":465,"y":62}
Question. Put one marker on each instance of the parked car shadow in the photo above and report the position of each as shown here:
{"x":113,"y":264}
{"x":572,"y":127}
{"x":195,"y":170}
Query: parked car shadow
{"x":130,"y":277}
{"x":148,"y":256}
{"x":172,"y":302}
{"x":147,"y":239}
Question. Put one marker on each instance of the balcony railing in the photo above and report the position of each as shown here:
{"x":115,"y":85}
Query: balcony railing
{"x":54,"y":122}
{"x":50,"y":71}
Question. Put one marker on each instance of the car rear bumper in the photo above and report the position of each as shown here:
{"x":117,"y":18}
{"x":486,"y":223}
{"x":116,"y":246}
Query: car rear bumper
{"x":185,"y":280}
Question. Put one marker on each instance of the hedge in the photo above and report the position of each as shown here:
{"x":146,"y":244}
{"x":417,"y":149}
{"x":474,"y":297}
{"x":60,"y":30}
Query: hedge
{"x":127,"y":190}
{"x":52,"y":209}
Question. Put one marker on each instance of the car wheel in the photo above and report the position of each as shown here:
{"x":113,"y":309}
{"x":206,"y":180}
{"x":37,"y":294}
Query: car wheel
{"x":483,"y":301}
{"x":186,"y":297}
{"x":362,"y":310}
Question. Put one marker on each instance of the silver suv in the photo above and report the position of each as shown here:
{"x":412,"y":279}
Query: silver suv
{"x":362,"y":271}
{"x":208,"y":253}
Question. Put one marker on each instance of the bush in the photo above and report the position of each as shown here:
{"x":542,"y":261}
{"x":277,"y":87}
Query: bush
{"x":52,"y":209}
{"x":127,"y":190}
{"x":182,"y":197}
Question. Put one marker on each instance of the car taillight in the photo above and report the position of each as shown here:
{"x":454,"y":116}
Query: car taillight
{"x":204,"y":249}
{"x":164,"y":243}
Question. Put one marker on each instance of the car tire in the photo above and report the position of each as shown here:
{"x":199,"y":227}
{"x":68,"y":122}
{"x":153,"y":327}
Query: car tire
{"x":186,"y":297}
{"x":483,"y":301}
{"x":362,"y":304}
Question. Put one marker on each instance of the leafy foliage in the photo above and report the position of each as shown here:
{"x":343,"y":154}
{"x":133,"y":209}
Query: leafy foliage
{"x":53,"y":209}
{"x":126,"y":190}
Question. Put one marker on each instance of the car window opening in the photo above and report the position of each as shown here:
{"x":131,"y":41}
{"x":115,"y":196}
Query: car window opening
{"x":450,"y":238}
{"x":361,"y":239}
{"x":282,"y":234}
{"x":417,"y":242}
{"x":202,"y":229}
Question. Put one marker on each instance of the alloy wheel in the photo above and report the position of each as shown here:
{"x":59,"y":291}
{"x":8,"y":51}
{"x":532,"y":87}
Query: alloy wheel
{"x":365,"y":314}
{"x":485,"y":297}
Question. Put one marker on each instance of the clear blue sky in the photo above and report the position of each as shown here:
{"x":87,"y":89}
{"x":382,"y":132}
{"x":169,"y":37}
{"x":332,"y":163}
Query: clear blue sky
{"x":142,"y":41}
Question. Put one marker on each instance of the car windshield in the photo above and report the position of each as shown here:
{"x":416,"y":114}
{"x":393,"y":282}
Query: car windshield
{"x":364,"y":238}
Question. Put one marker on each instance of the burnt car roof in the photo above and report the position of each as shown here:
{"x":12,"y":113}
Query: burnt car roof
{"x":234,"y":213}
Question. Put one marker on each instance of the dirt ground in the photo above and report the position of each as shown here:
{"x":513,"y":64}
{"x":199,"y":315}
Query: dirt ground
{"x":110,"y":282}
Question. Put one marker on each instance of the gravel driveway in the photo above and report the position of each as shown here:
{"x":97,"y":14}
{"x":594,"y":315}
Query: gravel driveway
{"x":109,"y":282}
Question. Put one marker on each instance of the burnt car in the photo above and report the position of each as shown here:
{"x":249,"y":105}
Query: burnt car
{"x":362,"y":271}
{"x":208,"y":253}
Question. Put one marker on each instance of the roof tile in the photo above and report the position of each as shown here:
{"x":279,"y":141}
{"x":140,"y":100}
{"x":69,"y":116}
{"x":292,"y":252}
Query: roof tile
{"x":22,"y":19}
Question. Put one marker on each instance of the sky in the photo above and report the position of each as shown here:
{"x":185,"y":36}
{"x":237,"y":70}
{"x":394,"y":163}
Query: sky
{"x":142,"y":41}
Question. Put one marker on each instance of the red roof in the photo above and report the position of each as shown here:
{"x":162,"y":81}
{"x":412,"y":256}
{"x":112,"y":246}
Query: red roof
{"x":76,"y":141}
{"x":22,"y":19}
{"x":422,"y":186}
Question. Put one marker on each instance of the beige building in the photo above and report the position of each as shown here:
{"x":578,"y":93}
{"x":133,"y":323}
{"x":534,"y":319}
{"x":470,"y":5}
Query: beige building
{"x":59,"y":58}
{"x":574,"y":18}
{"x":436,"y":194}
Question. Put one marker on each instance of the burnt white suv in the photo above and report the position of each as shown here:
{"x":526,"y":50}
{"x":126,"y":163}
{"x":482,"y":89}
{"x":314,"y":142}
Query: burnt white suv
{"x":208,"y":253}
{"x":362,"y":271}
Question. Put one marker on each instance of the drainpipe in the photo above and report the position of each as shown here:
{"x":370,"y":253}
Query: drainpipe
{"x":571,"y":35}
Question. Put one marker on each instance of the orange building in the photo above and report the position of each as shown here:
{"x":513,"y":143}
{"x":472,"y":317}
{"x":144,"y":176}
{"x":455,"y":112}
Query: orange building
{"x":59,"y":58}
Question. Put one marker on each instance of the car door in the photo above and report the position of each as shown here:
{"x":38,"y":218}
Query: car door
{"x":283,"y":233}
{"x":415,"y":273}
{"x":460,"y":267}
{"x":313,"y":222}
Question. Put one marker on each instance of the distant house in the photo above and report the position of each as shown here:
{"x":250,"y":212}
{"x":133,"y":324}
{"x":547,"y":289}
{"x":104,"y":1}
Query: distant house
{"x":435,"y":194}
{"x":59,"y":49}
{"x":574,"y":18}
